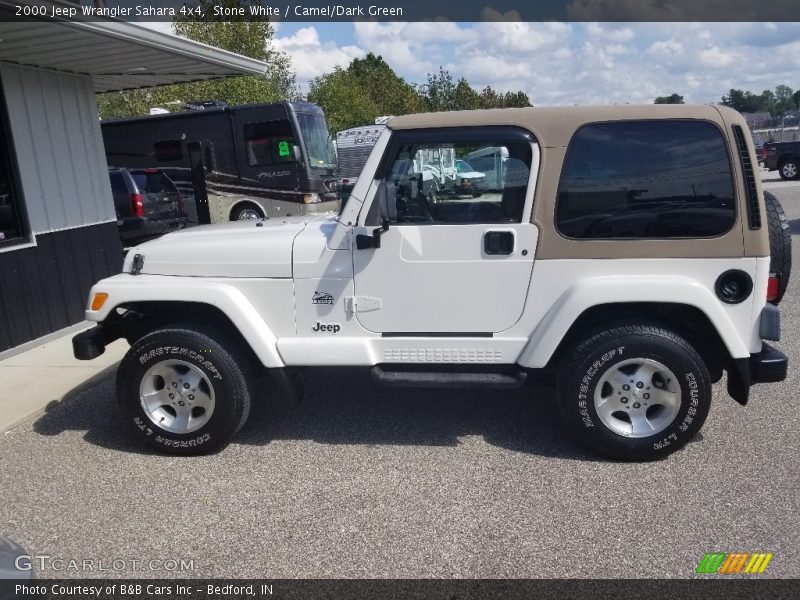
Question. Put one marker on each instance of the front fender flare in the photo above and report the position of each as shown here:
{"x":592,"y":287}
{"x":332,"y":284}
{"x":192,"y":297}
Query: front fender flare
{"x":126,"y":289}
{"x":618,"y":289}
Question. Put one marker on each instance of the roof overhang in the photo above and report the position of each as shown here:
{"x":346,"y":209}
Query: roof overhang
{"x":116,"y":54}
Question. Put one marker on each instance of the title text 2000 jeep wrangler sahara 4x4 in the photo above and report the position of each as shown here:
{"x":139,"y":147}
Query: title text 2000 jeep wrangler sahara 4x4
{"x":626,"y":252}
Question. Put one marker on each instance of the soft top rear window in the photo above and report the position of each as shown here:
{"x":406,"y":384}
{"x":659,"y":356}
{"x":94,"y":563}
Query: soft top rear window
{"x":646,"y":179}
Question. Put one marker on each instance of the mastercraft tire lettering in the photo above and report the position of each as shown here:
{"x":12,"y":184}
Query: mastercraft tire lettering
{"x":634,"y":392}
{"x":184,"y":391}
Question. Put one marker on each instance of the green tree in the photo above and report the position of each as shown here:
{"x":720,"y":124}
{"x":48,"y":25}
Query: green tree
{"x":671,"y":99}
{"x":777,"y":102}
{"x":517,"y":99}
{"x":742,"y":101}
{"x":784,"y":99}
{"x":767,"y":102}
{"x":439,"y":92}
{"x":235,"y":34}
{"x":366,"y":89}
{"x":345,"y":101}
{"x":492,"y":99}
{"x":390,"y":93}
{"x":465,"y":97}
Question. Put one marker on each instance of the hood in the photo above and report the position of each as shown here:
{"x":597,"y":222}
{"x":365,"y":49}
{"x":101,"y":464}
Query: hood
{"x":237,"y":249}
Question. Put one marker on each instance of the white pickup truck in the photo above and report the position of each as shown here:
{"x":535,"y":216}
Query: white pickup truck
{"x":630,"y":263}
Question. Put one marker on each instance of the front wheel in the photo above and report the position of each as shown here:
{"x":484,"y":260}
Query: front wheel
{"x":634,"y":392}
{"x":184,"y":391}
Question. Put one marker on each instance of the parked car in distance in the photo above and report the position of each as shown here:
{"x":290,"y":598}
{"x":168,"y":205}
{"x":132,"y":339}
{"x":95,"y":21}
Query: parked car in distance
{"x":468,"y":180}
{"x":147,"y":202}
{"x":783,"y":157}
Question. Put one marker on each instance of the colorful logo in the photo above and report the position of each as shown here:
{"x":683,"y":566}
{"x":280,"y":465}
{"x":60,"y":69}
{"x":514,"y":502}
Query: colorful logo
{"x":733,"y":563}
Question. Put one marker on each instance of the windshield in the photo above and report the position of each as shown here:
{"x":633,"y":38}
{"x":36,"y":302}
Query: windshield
{"x":319,"y":147}
{"x":462,"y":165}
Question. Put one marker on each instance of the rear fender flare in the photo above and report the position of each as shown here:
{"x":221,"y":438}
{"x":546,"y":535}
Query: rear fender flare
{"x":595,"y":291}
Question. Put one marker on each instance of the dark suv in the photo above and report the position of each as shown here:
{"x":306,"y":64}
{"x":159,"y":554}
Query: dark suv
{"x":147,"y":203}
{"x":783,"y":157}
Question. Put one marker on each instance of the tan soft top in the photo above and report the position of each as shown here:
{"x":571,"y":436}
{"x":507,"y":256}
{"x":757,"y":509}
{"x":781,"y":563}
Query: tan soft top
{"x":553,"y":126}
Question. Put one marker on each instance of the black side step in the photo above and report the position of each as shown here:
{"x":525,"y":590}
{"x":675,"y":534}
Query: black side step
{"x":448,"y":379}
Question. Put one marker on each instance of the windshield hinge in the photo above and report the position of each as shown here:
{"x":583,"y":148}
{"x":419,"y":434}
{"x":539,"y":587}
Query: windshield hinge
{"x":357,"y":304}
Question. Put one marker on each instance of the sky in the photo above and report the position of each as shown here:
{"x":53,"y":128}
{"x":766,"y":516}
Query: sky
{"x":562,"y":63}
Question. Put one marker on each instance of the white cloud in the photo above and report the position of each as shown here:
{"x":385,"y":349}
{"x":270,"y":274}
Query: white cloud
{"x":671,"y":45}
{"x":573,"y":63}
{"x":715,"y":57}
{"x":310,"y":57}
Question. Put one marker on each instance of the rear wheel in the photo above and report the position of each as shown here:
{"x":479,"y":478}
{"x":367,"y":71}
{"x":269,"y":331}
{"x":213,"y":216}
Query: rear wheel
{"x":634,"y":392}
{"x":247,"y":211}
{"x":780,"y":243}
{"x":184,"y":391}
{"x":789,"y":169}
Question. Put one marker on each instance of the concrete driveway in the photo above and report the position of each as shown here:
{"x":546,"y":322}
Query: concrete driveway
{"x":369,"y":482}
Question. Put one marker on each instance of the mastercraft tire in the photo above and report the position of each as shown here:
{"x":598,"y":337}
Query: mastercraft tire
{"x":780,"y":243}
{"x":634,"y":393}
{"x":789,"y":169}
{"x":184,"y":391}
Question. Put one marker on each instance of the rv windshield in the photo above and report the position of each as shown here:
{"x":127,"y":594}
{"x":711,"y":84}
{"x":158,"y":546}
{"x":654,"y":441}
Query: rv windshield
{"x":319,"y":147}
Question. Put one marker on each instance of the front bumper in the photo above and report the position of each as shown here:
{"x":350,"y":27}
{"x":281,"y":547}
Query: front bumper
{"x":466,"y":186}
{"x":768,"y":366}
{"x":91,"y":343}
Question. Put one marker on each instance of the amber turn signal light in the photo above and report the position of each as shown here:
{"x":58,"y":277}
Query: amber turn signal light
{"x":98,"y":300}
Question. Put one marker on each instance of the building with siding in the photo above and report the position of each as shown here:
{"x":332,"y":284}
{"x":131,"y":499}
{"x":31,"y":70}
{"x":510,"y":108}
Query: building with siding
{"x":58,"y":228}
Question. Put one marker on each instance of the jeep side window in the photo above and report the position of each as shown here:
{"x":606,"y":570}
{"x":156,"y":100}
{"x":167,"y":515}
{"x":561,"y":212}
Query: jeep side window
{"x":426,"y":186}
{"x":646,"y":179}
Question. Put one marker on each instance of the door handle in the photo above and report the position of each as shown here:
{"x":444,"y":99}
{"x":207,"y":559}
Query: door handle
{"x":498,"y":242}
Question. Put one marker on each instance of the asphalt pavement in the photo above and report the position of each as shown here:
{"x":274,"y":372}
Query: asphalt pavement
{"x":364,"y":481}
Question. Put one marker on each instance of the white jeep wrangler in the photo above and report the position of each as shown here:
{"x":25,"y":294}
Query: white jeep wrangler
{"x":627,"y":256}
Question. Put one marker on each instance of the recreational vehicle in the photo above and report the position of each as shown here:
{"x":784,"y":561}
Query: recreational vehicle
{"x":256,"y":160}
{"x":491,"y":162}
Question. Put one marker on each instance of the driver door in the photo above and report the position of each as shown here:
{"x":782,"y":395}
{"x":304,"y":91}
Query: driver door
{"x":449,"y":263}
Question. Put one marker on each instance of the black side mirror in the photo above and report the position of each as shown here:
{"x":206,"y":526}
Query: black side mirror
{"x":364,"y":242}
